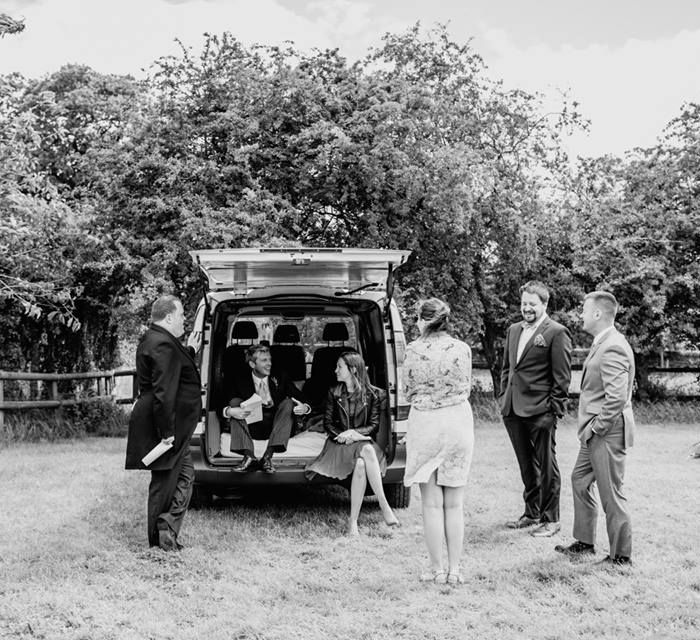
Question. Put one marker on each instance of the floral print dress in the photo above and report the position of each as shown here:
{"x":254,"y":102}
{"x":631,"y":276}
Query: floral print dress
{"x":440,"y":437}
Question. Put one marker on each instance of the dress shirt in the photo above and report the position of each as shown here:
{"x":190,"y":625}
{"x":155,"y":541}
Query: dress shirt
{"x":527,"y":333}
{"x":262,"y":388}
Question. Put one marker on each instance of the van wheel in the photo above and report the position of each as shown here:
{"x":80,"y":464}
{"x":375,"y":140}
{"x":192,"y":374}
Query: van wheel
{"x":201,"y":497}
{"x":398,"y":496}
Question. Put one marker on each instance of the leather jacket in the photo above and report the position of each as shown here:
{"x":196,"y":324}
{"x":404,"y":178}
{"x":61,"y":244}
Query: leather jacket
{"x":365,"y":418}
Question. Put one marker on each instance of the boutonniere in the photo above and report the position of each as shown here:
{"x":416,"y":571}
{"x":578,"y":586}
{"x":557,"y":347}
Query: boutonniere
{"x":539,"y":341}
{"x":274,"y":380}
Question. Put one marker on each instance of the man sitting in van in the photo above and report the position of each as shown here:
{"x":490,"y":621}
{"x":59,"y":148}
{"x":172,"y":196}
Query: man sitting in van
{"x":281,"y":401}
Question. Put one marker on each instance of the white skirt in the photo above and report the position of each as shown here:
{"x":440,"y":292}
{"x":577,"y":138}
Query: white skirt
{"x":440,"y":440}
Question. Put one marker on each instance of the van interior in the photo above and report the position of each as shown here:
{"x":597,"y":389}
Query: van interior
{"x":305,"y":340}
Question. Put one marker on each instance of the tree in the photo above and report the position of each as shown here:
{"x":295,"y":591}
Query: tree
{"x":10,"y":25}
{"x":637,"y":234}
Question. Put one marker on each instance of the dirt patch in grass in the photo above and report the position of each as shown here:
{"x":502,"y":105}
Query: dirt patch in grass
{"x":275,"y":565}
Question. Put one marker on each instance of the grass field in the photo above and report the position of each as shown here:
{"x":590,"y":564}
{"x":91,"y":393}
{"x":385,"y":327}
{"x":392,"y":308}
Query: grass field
{"x":74,"y":561}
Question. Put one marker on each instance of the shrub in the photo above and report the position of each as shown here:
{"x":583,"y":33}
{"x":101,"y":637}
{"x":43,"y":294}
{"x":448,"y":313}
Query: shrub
{"x":87,"y":418}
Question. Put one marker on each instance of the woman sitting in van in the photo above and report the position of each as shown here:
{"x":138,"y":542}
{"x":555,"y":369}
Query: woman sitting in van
{"x":351,"y":420}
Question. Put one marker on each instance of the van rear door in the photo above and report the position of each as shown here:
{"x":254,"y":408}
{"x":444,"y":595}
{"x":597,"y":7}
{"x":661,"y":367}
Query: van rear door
{"x":240,"y":270}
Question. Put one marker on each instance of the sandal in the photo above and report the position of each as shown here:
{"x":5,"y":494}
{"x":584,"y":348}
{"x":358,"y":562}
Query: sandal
{"x":455,"y":578}
{"x":434,"y":575}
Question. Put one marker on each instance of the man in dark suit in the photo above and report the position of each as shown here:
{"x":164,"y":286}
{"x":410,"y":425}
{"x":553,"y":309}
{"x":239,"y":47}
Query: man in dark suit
{"x":281,"y":401}
{"x":605,"y":431}
{"x":167,"y":410}
{"x":535,"y":379}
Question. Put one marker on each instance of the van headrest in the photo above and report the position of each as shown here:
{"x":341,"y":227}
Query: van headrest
{"x":286,"y":333}
{"x":244,"y":330}
{"x":335,"y":332}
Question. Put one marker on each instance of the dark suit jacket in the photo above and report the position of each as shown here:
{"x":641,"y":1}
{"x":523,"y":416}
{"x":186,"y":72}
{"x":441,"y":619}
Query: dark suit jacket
{"x":169,"y":402}
{"x":539,"y":381}
{"x":280,"y":386}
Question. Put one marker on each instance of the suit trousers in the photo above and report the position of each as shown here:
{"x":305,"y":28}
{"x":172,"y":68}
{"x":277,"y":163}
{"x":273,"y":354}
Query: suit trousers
{"x":602,"y":461}
{"x":275,"y":427}
{"x":534,"y":442}
{"x":169,"y":496}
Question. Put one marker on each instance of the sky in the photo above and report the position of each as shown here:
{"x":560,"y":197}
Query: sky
{"x":631,"y":64}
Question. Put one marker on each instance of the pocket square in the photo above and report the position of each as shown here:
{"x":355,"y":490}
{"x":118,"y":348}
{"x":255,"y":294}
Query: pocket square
{"x":539,"y":341}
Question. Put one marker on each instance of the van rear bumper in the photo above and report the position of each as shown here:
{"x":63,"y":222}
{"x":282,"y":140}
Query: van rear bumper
{"x":288,"y":472}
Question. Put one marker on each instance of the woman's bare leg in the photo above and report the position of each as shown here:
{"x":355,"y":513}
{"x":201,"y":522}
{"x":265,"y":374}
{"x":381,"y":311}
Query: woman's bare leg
{"x":454,"y":525}
{"x":357,"y":494}
{"x":374,"y":476}
{"x":432,"y":504}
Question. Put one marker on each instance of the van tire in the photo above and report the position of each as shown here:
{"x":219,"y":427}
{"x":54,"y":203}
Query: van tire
{"x":398,"y":496}
{"x":201,"y":497}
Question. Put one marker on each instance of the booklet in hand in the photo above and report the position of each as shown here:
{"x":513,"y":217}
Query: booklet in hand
{"x":254,"y":405}
{"x":156,"y":452}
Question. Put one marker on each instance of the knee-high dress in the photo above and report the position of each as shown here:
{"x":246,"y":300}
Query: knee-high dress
{"x":345,"y":411}
{"x":440,"y":436}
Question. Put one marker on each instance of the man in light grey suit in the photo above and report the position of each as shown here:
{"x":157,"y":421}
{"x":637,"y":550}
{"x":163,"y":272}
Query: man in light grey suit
{"x":605,"y":430}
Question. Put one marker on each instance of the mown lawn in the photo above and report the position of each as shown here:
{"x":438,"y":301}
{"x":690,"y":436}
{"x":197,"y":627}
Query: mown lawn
{"x":74,"y":561}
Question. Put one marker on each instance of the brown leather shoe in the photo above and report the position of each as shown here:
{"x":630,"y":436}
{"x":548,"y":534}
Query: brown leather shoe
{"x":576,"y":548}
{"x":522,"y":523}
{"x":546,"y":530}
{"x":617,"y":561}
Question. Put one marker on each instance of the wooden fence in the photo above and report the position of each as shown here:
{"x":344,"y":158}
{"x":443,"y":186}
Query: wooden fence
{"x":43,"y":392}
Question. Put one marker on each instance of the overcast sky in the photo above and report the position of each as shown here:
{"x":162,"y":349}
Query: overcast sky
{"x":630,"y":63}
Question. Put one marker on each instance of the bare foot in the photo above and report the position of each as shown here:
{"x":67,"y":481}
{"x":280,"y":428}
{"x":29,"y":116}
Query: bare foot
{"x":353,"y":531}
{"x":390,"y":519}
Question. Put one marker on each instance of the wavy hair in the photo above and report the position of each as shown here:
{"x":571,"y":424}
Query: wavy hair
{"x":356,"y":365}
{"x":436,"y":314}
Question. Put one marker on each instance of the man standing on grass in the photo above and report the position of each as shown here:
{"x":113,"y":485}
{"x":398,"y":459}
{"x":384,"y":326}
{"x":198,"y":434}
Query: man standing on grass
{"x":605,"y":430}
{"x":167,"y":410}
{"x":535,"y":380}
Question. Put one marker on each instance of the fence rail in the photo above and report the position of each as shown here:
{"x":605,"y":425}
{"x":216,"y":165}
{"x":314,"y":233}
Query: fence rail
{"x":105,"y":385}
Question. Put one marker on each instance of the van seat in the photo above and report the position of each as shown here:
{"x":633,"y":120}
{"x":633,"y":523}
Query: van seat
{"x":234,"y":355}
{"x":324,"y":361}
{"x":288,"y":358}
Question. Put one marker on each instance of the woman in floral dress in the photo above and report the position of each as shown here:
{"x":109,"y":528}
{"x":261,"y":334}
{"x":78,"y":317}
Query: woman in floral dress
{"x":440,"y":437}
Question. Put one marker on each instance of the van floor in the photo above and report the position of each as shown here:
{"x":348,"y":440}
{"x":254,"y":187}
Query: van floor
{"x":307,"y":444}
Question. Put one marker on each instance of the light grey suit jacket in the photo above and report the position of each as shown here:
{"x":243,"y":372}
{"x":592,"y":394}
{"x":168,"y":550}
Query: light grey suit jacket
{"x":606,"y":388}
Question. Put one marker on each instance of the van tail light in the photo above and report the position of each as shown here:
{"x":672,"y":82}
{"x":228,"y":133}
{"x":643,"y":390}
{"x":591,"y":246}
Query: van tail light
{"x":402,"y":411}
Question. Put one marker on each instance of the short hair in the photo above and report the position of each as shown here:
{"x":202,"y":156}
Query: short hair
{"x":436,"y":313}
{"x":163,"y":306}
{"x":605,"y":301}
{"x":253,"y":350}
{"x":538,"y":288}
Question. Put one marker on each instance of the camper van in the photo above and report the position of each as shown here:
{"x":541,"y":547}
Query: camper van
{"x":308,"y":305}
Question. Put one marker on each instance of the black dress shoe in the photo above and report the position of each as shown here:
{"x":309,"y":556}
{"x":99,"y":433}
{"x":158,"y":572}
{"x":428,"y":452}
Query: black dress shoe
{"x":576,"y":548}
{"x":247,"y":464}
{"x":167,"y":541}
{"x":267,"y":465}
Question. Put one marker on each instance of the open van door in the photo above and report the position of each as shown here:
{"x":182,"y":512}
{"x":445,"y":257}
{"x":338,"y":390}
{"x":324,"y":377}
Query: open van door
{"x":243,"y":270}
